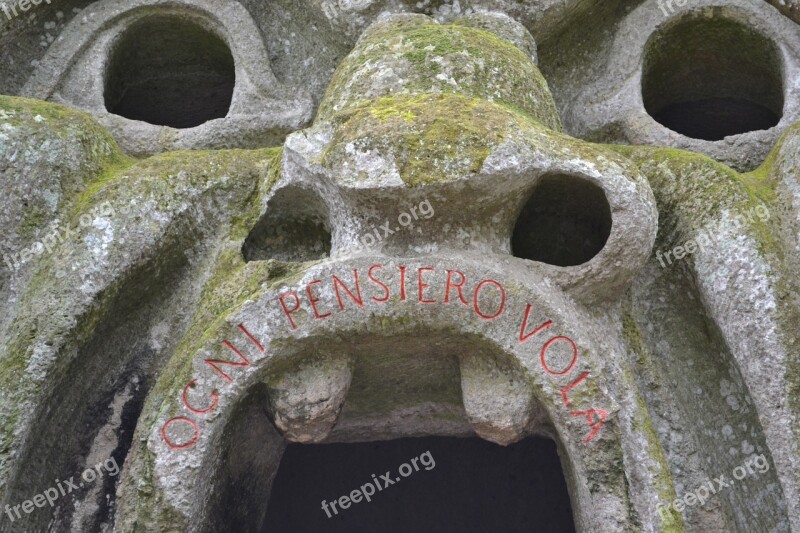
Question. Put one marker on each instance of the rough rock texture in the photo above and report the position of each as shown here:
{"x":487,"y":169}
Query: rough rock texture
{"x":791,"y":8}
{"x":446,"y":249}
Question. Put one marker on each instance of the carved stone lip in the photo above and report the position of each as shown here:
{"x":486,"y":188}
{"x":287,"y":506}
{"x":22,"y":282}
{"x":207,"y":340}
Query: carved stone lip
{"x":262,"y":110}
{"x":518,"y":374}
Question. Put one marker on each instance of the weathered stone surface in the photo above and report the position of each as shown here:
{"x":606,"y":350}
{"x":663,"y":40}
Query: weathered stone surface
{"x":205,"y":308}
{"x":407,"y":55}
{"x":498,"y":401}
{"x":67,"y":74}
{"x":50,"y":156}
{"x":790,"y":8}
{"x":64,"y":357}
{"x":305,"y":402}
{"x":746,"y":286}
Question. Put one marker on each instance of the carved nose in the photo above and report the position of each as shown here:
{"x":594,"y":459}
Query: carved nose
{"x":497,"y":175}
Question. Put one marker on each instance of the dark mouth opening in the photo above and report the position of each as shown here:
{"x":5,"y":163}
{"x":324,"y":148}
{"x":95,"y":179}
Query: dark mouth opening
{"x":451,"y":484}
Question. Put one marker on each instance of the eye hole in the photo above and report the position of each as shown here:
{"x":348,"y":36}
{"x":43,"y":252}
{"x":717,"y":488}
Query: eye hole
{"x":168,"y":71}
{"x":566,"y":222}
{"x":708,"y":78}
{"x":295,"y":228}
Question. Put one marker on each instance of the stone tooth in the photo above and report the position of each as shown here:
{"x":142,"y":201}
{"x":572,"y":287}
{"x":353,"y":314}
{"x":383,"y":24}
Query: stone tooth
{"x":305,"y":402}
{"x":499,"y":402}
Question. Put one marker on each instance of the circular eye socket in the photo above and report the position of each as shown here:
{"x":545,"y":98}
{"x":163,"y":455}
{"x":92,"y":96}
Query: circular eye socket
{"x":566,"y":222}
{"x":711,"y":77}
{"x":168,"y":71}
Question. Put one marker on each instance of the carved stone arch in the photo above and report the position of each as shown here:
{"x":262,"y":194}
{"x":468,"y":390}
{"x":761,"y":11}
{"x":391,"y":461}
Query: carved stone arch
{"x":512,"y":347}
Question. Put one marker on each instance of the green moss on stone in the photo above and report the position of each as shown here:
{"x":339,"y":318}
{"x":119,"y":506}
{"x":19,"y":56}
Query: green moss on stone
{"x":111,"y":173}
{"x":692,"y":190}
{"x":763,"y":180}
{"x":34,"y":218}
{"x":80,"y":151}
{"x":643,"y":423}
{"x":218,"y":182}
{"x":231,"y":283}
{"x":430,"y":138}
{"x":56,"y":115}
{"x":269,"y":163}
{"x":68,"y":146}
{"x":434,"y":138}
{"x":781,"y":165}
{"x":434,"y":58}
{"x":162,"y":175}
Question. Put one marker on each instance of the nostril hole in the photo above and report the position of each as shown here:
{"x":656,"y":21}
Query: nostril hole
{"x":710,"y":77}
{"x":566,"y":222}
{"x":294,"y":228}
{"x":170,"y":72}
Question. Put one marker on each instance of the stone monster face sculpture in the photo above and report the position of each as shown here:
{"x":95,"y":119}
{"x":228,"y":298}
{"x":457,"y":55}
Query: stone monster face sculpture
{"x":433,"y":255}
